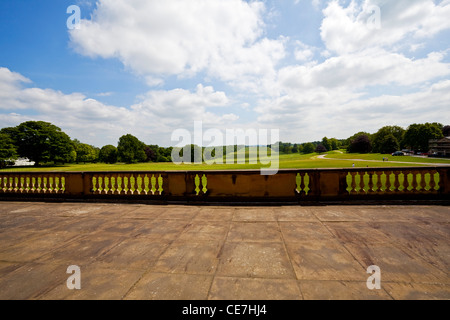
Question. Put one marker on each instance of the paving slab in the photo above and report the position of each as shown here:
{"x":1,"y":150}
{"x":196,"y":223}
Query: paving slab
{"x":171,"y":252}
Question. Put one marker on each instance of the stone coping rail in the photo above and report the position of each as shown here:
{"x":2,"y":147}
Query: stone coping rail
{"x":409,"y":183}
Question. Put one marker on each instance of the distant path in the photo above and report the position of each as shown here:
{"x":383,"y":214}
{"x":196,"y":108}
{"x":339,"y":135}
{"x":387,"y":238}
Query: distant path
{"x":322,"y":157}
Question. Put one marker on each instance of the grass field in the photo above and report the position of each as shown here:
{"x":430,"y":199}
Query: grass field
{"x":334,"y":159}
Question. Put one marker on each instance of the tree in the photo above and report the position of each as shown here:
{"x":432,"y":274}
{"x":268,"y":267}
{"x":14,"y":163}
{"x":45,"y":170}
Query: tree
{"x":387,"y":138}
{"x":151,"y":153}
{"x":335,"y":144}
{"x":8,"y":150}
{"x":42,"y":141}
{"x":326,"y":143}
{"x":446,"y":131}
{"x":85,"y":153}
{"x":308,"y":148}
{"x":321,"y":149}
{"x":295,"y":148}
{"x":360,"y":144}
{"x":417,"y":136}
{"x":131,"y":150}
{"x":108,"y":154}
{"x":388,"y":144}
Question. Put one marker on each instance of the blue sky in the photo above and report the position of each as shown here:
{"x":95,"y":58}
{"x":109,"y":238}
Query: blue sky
{"x":310,"y":68}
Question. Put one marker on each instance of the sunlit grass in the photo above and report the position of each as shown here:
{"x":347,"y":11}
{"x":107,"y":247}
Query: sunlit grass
{"x":286,"y":161}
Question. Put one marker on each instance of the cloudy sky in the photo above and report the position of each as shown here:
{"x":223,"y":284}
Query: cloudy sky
{"x":310,"y":68}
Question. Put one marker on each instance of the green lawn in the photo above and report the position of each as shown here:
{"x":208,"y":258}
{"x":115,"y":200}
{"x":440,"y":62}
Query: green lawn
{"x":290,"y":161}
{"x":379,"y":157}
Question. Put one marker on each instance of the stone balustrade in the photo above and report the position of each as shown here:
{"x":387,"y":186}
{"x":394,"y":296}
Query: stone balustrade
{"x":234,"y":186}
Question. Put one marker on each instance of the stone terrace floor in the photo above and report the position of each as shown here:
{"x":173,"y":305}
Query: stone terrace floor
{"x":128,"y":251}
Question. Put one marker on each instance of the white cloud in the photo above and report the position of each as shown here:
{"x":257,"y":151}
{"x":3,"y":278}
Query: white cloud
{"x":152,"y":120}
{"x":365,"y":68}
{"x":303,"y":52}
{"x":348,"y":29}
{"x":340,"y":96}
{"x":316,"y":113}
{"x":183,"y":38}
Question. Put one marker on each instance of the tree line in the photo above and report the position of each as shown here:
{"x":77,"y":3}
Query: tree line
{"x":43,"y":142}
{"x":385,"y":141}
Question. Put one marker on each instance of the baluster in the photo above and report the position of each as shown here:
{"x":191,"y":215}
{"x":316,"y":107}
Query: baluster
{"x":353,"y":183}
{"x":44,"y":184}
{"x":379,"y":182}
{"x":362,"y":184}
{"x":405,"y":181}
{"x":58,"y":184}
{"x":414,"y":181}
{"x":95,"y":184}
{"x":371,"y":184}
{"x":56,"y":179}
{"x":105,"y":184}
{"x":113,"y":184}
{"x":19,"y":184}
{"x":160,"y":184}
{"x":145,"y":189}
{"x":197,"y":184}
{"x":205,"y":184}
{"x":51,"y":183}
{"x":423,"y":182}
{"x":123,"y":184}
{"x":118,"y":184}
{"x":153,"y":184}
{"x":137,"y":184}
{"x":132,"y":182}
{"x":2,"y":184}
{"x":303,"y":183}
{"x":15,"y":185}
{"x":63,"y":184}
{"x":27,"y":184}
{"x":127,"y":183}
{"x":298,"y":179}
{"x":6,"y":183}
{"x":105,"y":181}
{"x":100,"y":183}
{"x":307,"y":183}
{"x":397,"y":181}
{"x":37,"y":184}
{"x":12,"y":182}
{"x":140,"y":184}
{"x":108,"y":183}
{"x":388,"y":181}
{"x":300,"y":182}
{"x":150,"y":184}
{"x":32,"y":184}
{"x":432,"y":181}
